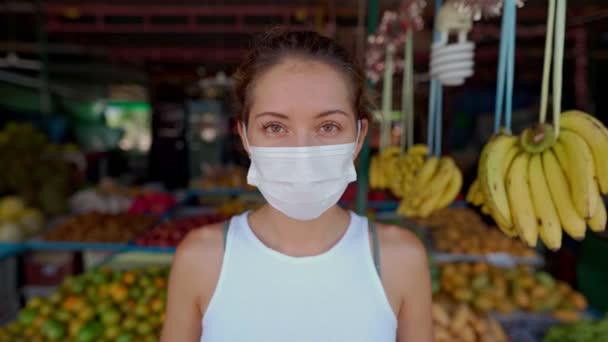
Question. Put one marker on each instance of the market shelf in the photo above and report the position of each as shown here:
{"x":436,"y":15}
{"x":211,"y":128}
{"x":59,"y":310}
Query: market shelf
{"x":8,"y":250}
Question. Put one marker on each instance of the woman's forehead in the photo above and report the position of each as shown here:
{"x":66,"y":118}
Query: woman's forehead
{"x":296,"y":86}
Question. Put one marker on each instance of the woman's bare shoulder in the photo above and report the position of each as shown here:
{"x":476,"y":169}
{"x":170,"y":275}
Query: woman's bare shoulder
{"x":402,"y":251}
{"x":199,"y":258}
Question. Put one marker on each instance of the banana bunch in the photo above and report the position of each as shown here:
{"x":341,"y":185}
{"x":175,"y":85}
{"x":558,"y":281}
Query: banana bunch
{"x":434,"y":186}
{"x":423,"y":184}
{"x":394,"y":170}
{"x":537,"y":185}
{"x":475,"y":197}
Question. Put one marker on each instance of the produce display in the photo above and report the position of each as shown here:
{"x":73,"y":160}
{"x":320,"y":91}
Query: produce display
{"x":488,"y":288}
{"x":99,"y":227}
{"x":17,"y":221}
{"x":171,"y":233}
{"x":459,"y":323}
{"x":155,"y":203}
{"x":93,"y":200}
{"x":424,"y":184}
{"x":100,"y":305}
{"x":218,"y":176}
{"x":541,"y":182}
{"x":581,"y":331}
{"x":34,"y":169}
{"x":461,"y":230}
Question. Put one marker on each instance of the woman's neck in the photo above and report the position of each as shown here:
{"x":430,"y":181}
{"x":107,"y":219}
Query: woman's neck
{"x":299,"y":238}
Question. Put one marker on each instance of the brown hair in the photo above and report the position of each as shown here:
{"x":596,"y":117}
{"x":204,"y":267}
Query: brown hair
{"x":277,"y":44}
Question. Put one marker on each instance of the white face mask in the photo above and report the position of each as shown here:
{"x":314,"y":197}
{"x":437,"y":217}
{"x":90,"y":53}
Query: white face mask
{"x":302,"y":182}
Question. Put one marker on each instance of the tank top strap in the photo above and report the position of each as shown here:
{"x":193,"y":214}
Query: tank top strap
{"x":225,"y":228}
{"x":375,"y":246}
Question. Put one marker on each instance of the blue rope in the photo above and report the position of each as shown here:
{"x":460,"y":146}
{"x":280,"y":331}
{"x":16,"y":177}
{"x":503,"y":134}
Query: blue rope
{"x":506,"y":66}
{"x":510,"y":66}
{"x":435,"y":102}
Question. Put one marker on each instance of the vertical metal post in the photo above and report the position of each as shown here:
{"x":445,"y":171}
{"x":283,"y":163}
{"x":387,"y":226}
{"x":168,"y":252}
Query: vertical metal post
{"x":364,"y":156}
{"x":45,"y":93}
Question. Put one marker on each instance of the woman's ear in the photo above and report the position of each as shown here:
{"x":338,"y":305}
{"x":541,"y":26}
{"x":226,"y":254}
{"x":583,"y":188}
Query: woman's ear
{"x":362,"y":135}
{"x":240,"y":126}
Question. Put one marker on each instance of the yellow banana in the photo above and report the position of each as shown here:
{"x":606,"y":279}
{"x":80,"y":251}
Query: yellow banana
{"x":486,"y":210}
{"x":426,"y":173}
{"x":478,"y":198}
{"x":549,"y":226}
{"x":596,"y":136}
{"x":520,"y":199}
{"x":597,"y":222}
{"x":570,"y":219}
{"x":452,"y":190}
{"x":418,"y":149}
{"x":473,"y":189}
{"x":441,"y":178}
{"x":579,"y":168}
{"x":491,"y":173}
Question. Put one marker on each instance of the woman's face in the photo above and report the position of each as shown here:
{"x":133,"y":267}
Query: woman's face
{"x":302,"y":103}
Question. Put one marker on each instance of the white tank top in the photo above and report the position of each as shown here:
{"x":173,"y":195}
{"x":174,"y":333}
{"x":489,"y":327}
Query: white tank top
{"x":264,"y":295}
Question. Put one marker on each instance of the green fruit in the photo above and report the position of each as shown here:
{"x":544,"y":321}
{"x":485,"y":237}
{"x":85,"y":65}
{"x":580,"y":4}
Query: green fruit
{"x":99,"y":278}
{"x":86,"y":314}
{"x":26,"y":317}
{"x":78,"y":286}
{"x":110,"y":317}
{"x":144,"y":328}
{"x":135,"y":293}
{"x":111,"y":332}
{"x":91,"y":294}
{"x":53,"y":330}
{"x":141,"y":310}
{"x":62,"y":315}
{"x":46,"y":309}
{"x":34,"y":303}
{"x":129,"y":323}
{"x":124,"y":337}
{"x":55,"y":298}
{"x":117,"y":276}
{"x":90,"y":332}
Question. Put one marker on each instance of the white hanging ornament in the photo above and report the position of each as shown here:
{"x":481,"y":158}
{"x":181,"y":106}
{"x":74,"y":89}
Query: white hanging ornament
{"x":452,"y":63}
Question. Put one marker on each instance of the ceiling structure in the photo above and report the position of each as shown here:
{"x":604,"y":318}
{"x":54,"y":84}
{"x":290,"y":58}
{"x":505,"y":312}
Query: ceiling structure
{"x":112,"y":38}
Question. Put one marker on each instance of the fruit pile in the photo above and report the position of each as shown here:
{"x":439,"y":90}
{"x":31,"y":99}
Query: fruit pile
{"x":17,"y":221}
{"x":171,"y":233}
{"x":461,"y":230}
{"x":460,"y":323}
{"x":581,"y":331}
{"x":99,"y":227}
{"x":543,"y":181}
{"x":155,"y":203}
{"x":219,"y":176}
{"x":100,"y":305}
{"x":491,"y":288}
{"x":35,"y":169}
{"x":88,"y":200}
{"x":424,"y":184}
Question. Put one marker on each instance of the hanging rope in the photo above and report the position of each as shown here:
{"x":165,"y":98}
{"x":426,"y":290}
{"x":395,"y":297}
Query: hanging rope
{"x":506,"y":68}
{"x":407,"y":96}
{"x":387,"y":97}
{"x":435,"y":102}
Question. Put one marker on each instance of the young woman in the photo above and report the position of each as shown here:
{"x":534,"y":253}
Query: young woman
{"x":300,"y":268}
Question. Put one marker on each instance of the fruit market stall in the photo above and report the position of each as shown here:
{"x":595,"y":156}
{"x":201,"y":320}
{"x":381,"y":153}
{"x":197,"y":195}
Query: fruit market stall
{"x":507,"y":225}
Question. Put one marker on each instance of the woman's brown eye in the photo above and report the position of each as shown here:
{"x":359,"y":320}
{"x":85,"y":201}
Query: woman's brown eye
{"x":274,"y":129}
{"x":329,"y":128}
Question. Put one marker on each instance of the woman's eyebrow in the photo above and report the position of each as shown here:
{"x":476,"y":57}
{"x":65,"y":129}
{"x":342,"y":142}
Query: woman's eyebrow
{"x":277,"y":115}
{"x":331,"y":112}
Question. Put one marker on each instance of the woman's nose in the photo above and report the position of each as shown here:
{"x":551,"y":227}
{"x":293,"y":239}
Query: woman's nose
{"x":304,"y":138}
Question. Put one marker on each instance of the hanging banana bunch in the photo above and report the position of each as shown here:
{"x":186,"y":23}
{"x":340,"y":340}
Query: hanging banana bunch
{"x":422,"y":181}
{"x":550,"y":178}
